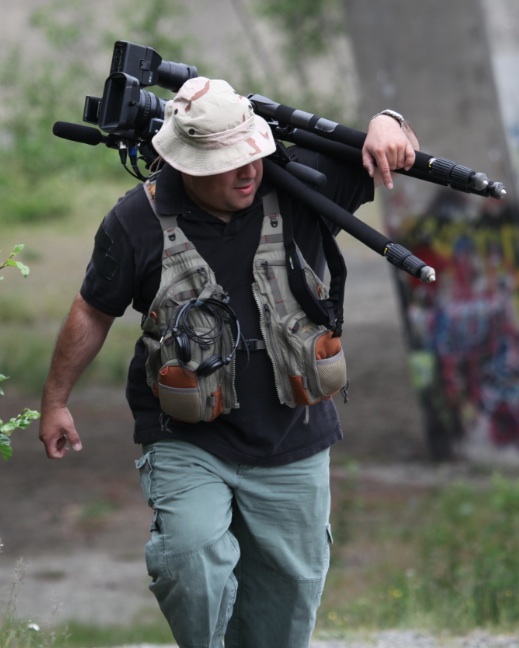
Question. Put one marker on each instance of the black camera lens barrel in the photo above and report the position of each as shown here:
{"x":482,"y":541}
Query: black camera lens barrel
{"x":144,"y":64}
{"x":173,"y":75}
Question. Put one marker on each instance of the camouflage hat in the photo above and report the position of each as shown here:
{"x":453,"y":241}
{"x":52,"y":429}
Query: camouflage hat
{"x":209,"y":128}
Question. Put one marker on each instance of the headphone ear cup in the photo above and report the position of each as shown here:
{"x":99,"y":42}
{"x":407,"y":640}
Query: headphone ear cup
{"x":183,"y":347}
{"x":209,"y":366}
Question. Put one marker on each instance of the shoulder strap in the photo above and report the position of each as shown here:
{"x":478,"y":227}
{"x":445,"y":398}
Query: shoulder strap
{"x":174,"y":238}
{"x":150,"y":187}
{"x":328,"y":312}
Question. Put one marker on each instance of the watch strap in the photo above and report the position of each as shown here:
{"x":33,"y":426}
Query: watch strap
{"x":391,"y":113}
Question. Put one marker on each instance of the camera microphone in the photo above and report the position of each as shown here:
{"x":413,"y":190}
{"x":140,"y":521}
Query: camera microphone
{"x":83,"y":134}
{"x":77,"y":133}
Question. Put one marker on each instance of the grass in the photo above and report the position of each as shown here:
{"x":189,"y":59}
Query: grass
{"x":440,"y":559}
{"x":25,"y":634}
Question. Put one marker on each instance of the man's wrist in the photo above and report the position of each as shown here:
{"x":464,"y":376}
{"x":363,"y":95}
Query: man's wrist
{"x":391,"y":113}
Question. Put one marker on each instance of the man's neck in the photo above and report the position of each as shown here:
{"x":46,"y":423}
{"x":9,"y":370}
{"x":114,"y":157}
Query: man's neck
{"x":226,"y":217}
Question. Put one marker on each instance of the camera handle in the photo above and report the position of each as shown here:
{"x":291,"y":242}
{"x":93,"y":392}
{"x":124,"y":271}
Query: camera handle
{"x":288,"y":121}
{"x":394,"y":253}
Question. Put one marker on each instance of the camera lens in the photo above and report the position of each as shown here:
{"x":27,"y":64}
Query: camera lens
{"x":125,"y":107}
{"x":150,"y":107}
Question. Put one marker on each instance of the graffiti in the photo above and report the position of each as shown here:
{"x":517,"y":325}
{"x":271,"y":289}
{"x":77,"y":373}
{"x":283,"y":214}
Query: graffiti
{"x":463,"y":331}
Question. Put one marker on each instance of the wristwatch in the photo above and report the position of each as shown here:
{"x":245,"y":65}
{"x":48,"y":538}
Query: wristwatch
{"x":391,"y":113}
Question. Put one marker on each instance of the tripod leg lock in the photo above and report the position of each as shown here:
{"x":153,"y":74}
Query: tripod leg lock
{"x":400,"y":257}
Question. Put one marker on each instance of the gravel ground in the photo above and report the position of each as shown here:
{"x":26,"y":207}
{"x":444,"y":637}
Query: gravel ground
{"x":406,"y":639}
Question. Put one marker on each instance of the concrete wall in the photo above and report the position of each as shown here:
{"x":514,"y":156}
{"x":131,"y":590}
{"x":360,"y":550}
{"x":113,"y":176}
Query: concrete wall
{"x":451,"y":69}
{"x":432,"y":61}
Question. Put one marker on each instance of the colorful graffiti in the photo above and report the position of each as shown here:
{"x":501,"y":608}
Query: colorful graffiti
{"x":463,"y":330}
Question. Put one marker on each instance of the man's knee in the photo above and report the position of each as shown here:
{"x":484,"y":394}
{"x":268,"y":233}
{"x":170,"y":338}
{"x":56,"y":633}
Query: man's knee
{"x":195,"y":589}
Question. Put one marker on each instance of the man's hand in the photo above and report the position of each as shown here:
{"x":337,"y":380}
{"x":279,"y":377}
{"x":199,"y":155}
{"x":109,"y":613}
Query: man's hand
{"x":58,"y":432}
{"x":388,"y":147}
{"x":80,"y":339}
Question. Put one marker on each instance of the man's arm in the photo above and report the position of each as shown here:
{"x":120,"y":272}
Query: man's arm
{"x":79,"y":341}
{"x":388,"y":146}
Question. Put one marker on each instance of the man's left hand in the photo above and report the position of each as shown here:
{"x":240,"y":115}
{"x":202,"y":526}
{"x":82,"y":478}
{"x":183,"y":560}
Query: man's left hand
{"x":388,"y":147}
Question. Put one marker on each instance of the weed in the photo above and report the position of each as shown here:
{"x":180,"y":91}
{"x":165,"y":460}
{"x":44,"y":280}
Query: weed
{"x":24,"y":633}
{"x":450,"y":564}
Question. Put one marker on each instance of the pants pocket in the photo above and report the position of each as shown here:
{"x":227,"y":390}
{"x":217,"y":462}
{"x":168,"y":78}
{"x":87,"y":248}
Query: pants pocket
{"x":145,"y":467}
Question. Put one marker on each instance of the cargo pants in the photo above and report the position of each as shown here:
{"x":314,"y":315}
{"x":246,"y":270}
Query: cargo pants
{"x":238,"y":554}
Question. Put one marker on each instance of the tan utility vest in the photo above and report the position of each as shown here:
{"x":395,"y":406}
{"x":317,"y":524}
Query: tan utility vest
{"x":191,"y":332}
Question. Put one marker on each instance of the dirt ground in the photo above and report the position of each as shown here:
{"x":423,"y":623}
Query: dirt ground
{"x":73,"y":530}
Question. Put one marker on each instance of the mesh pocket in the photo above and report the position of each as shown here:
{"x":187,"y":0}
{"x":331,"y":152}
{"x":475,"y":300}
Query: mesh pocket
{"x":331,"y":374}
{"x":323,"y":370}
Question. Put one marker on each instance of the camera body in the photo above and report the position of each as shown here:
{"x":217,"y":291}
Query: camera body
{"x":125,"y":109}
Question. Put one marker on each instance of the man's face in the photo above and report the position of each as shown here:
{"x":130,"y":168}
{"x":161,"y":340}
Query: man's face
{"x":225,"y":193}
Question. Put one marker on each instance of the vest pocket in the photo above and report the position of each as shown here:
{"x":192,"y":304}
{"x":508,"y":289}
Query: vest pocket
{"x":320,"y":369}
{"x":330,"y":364}
{"x":183,"y":397}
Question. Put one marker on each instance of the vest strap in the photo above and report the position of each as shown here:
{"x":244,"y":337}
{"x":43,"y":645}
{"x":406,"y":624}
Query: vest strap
{"x":328,"y":312}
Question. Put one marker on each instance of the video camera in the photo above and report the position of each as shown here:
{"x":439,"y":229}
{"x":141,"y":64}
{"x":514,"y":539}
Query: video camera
{"x":130,"y":115}
{"x":125,"y":109}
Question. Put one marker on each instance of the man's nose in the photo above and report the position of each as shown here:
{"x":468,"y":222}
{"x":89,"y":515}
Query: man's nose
{"x":247,"y":171}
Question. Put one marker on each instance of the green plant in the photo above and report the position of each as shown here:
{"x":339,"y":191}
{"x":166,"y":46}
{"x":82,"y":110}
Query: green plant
{"x":22,"y":420}
{"x":446,"y":560}
{"x":24,"y":633}
{"x":469,"y":556}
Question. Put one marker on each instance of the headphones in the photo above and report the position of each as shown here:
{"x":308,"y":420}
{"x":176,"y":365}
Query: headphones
{"x":184,"y":334}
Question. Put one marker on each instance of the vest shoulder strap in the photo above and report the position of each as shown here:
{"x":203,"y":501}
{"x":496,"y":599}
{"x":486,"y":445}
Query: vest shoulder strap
{"x":330,"y":311}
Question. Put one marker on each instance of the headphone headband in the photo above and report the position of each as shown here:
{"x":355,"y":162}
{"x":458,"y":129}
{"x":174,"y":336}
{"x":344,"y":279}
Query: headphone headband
{"x":184,"y":335}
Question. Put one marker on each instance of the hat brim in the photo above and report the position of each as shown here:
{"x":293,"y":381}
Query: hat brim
{"x":184,"y":157}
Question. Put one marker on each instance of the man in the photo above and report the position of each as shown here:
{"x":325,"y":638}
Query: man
{"x":239,"y":544}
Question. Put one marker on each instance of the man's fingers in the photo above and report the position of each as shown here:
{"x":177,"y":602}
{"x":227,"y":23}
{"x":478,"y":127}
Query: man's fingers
{"x":58,"y":433}
{"x":410,"y":157}
{"x":385,"y":172}
{"x":57,"y":449}
{"x":368,"y":163}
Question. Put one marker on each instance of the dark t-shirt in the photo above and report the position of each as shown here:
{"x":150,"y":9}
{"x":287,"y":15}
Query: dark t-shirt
{"x":125,"y":269}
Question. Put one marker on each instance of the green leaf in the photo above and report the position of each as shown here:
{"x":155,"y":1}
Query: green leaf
{"x":22,"y":268}
{"x":26,"y":417}
{"x":2,"y":378}
{"x":18,"y":264}
{"x":22,"y":421}
{"x":6,"y":450}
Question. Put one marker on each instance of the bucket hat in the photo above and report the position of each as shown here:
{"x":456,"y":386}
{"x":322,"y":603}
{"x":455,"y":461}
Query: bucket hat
{"x":209,"y":128}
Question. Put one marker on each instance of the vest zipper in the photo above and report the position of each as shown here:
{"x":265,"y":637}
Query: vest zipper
{"x":281,"y":381}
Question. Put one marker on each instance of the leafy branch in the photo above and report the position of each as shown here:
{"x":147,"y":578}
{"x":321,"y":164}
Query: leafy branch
{"x":20,"y":422}
{"x":23,"y":420}
{"x":10,"y":262}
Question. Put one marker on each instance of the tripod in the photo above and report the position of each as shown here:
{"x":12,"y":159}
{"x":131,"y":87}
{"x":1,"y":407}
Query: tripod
{"x":336,"y":140}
